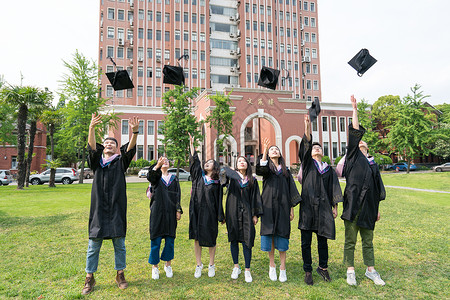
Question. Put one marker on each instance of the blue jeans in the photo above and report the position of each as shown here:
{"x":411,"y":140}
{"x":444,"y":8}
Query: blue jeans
{"x":280,"y":243}
{"x":93,"y":253}
{"x":167,"y":253}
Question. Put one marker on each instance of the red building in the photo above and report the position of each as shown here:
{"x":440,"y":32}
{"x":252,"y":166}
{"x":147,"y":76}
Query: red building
{"x":227,"y":43}
{"x":8,"y":153}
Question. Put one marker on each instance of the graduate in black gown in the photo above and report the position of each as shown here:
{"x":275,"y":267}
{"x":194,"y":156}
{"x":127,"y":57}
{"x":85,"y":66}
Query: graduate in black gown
{"x":321,"y":193}
{"x":363,"y":192}
{"x":165,"y":212}
{"x":108,"y":213}
{"x":243,"y":207}
{"x":279,"y":196}
{"x":205,"y":208}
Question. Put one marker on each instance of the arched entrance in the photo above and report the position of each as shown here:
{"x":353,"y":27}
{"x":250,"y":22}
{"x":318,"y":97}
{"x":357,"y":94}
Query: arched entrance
{"x":254,"y":129}
{"x":230,"y":153}
{"x":292,"y":145}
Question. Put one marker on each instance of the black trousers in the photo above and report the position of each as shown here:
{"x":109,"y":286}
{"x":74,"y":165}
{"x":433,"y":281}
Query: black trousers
{"x":322,"y":247}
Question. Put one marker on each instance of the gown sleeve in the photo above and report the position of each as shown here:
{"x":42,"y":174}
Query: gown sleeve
{"x":354,"y":137}
{"x":257,"y":207}
{"x":220,"y":213}
{"x":127,"y":156}
{"x":304,"y":154}
{"x":178,"y":191}
{"x":194,"y":165}
{"x":94,"y":156}
{"x":154,"y":176}
{"x":293,"y":191}
{"x":262,"y":170}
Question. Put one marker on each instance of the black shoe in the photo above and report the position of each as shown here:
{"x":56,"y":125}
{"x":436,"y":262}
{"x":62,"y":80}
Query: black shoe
{"x":324,"y":274}
{"x":309,"y":278}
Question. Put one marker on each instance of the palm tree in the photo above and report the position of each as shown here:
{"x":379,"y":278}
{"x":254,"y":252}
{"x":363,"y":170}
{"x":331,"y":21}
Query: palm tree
{"x":21,"y":97}
{"x":35,"y":111}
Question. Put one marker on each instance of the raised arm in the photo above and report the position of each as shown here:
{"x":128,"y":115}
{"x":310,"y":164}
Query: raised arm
{"x":262,"y":165}
{"x":95,"y":120}
{"x":355,"y":121}
{"x":266,"y":144}
{"x":134,"y":125}
{"x":307,"y":127}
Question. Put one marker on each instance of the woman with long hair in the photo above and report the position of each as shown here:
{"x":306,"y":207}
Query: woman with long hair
{"x":279,"y":196}
{"x":243,"y":207}
{"x":205,"y":208}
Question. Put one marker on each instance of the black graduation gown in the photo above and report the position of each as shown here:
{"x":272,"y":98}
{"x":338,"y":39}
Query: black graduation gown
{"x":243,"y":202}
{"x":279,"y":194}
{"x":164,"y":204}
{"x":320,"y":192}
{"x":364,"y":188}
{"x":205,"y":206}
{"x":108,"y":215}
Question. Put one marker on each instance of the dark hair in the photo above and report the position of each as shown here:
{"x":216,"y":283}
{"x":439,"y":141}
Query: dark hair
{"x":216,"y":169}
{"x":280,"y":161}
{"x":248,"y":172}
{"x":112,"y":139}
{"x":316,"y":144}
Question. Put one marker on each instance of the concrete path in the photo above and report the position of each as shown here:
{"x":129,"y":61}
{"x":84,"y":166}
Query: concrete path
{"x":415,"y":189}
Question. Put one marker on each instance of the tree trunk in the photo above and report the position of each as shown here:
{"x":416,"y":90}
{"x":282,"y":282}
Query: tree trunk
{"x":83,"y":160}
{"x":30,"y":151}
{"x":21,"y":142}
{"x":51,"y":129}
{"x":409,"y":164}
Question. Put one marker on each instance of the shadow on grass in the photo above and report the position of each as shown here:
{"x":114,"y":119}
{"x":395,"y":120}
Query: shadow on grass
{"x":7,"y":221}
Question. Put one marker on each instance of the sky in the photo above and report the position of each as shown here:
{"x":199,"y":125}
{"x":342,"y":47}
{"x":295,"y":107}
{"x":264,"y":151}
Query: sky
{"x":410,"y":40}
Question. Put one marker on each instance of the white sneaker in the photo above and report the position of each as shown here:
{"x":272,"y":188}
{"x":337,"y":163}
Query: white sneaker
{"x":212,"y":270}
{"x":283,"y":276}
{"x":155,"y":273}
{"x":168,"y":270}
{"x":198,"y":271}
{"x":375,"y":277}
{"x":235,"y":273}
{"x":248,"y":276}
{"x":351,"y":277}
{"x":272,"y":273}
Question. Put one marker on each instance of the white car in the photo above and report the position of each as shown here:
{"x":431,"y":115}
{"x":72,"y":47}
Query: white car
{"x":143,"y":172}
{"x":5,"y":177}
{"x":63,"y":175}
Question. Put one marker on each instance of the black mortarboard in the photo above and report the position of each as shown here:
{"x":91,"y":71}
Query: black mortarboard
{"x":268,"y":77}
{"x":173,"y":75}
{"x":120,"y":80}
{"x":314,"y":110}
{"x":362,"y":61}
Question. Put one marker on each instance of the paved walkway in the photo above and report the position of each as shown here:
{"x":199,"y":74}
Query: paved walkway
{"x":415,"y":189}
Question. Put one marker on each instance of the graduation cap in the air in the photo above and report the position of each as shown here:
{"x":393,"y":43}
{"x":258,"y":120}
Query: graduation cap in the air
{"x":173,"y":75}
{"x":120,"y":80}
{"x":314,"y":110}
{"x":362,"y":61}
{"x":268,"y":77}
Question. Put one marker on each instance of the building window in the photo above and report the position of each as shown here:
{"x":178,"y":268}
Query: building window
{"x":248,"y":59}
{"x":158,"y":91}
{"x":333,"y":124}
{"x":247,"y":42}
{"x":120,"y":52}
{"x":315,"y":85}
{"x":255,"y":60}
{"x":202,"y":37}
{"x":160,"y":127}
{"x":314,"y":125}
{"x":202,"y":74}
{"x":254,"y":8}
{"x":313,"y":6}
{"x":149,"y":91}
{"x":140,"y":71}
{"x":167,"y":36}
{"x":167,"y":17}
{"x":324,"y":124}
{"x":177,"y":16}
{"x":109,"y":91}
{"x":149,"y":34}
{"x":186,"y":17}
{"x":255,"y":43}
{"x":140,"y":91}
{"x":249,"y":77}
{"x":158,"y":73}
{"x":325,"y":148}
{"x":150,"y":152}
{"x":313,"y":53}
{"x":202,"y":55}
{"x":342,"y":124}
{"x":141,"y":33}
{"x":314,"y":69}
{"x":343,"y":148}
{"x":306,"y":21}
{"x":140,"y":152}
{"x":158,"y":16}
{"x":177,"y":35}
{"x":149,"y":15}
{"x":305,"y":5}
{"x":194,"y":18}
{"x":129,"y":93}
{"x":149,"y":53}
{"x":141,"y":14}
{"x":110,"y":13}
{"x":124,"y":127}
{"x":313,"y":22}
{"x":194,"y":36}
{"x":335,"y":150}
{"x":120,"y":15}
{"x":186,"y":36}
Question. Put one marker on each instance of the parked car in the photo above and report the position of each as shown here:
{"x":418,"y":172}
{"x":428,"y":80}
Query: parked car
{"x":143,"y":172}
{"x":88,"y":173}
{"x":403,"y":167}
{"x":5,"y":177}
{"x":182,"y":175}
{"x":443,"y":167}
{"x":63,"y":175}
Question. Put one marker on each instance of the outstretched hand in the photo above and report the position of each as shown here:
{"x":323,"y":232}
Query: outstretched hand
{"x":134,"y":123}
{"x":266,"y":144}
{"x":307,"y":122}
{"x":354,"y":103}
{"x":160,"y":162}
{"x":95,"y":120}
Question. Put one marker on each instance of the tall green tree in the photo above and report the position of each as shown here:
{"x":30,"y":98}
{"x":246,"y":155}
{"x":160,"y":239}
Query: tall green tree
{"x":221,"y":119}
{"x":51,"y":118}
{"x":445,"y":109}
{"x":179,"y":122}
{"x":413,"y":134}
{"x":21,"y":97}
{"x":36,"y":109}
{"x":81,"y":93}
{"x":7,"y":118}
{"x":367,"y":121}
{"x":384,"y":115}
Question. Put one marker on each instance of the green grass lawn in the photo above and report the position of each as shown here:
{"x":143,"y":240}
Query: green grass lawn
{"x":43,"y":238}
{"x":429,"y":181}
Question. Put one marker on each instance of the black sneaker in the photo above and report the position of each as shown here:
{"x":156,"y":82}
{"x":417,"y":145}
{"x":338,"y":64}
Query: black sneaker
{"x":309,"y":278}
{"x":324,"y":274}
